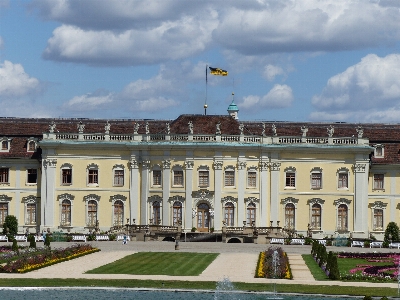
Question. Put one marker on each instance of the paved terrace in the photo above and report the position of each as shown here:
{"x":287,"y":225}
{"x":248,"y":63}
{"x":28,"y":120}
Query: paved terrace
{"x":236,"y":261}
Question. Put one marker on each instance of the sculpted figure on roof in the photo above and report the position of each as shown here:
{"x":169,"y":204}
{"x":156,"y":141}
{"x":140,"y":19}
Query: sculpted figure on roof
{"x":190,"y":127}
{"x":52,"y":127}
{"x":81,"y":127}
{"x":330,"y":130}
{"x":360,"y":131}
{"x":218,"y":130}
{"x":136,"y":128}
{"x":273,"y":130}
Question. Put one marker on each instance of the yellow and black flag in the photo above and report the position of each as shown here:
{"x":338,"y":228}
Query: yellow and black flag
{"x":218,"y":71}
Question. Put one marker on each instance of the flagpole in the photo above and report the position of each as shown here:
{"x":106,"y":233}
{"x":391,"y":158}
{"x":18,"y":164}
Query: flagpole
{"x":205,"y":103}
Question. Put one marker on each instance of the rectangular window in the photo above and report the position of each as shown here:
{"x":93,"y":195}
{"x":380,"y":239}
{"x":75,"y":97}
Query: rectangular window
{"x":229,"y":178}
{"x":4,"y":145}
{"x":378,"y":219}
{"x":32,"y":176}
{"x":316,"y":180}
{"x":343,"y":182}
{"x":290,"y":179}
{"x":378,"y":181}
{"x":66,"y":176}
{"x":118,"y":177}
{"x":251,"y":179}
{"x":3,"y":212}
{"x":93,"y":177}
{"x":31,"y":213}
{"x":4,"y":175}
{"x":203,"y":178}
{"x":178,"y":178}
{"x":156,"y":177}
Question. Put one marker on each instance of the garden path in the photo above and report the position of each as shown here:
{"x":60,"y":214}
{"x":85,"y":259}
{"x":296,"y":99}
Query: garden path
{"x":299,"y":268}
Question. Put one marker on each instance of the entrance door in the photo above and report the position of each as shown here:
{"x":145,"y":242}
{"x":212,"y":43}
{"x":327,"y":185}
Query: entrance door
{"x":203,"y":217}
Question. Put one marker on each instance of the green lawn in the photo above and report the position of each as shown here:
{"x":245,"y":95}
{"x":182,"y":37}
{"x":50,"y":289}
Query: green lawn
{"x":315,"y":270}
{"x":159,"y":263}
{"x":346,"y":264}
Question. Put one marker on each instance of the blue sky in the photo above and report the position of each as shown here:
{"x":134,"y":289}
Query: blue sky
{"x":314,"y":60}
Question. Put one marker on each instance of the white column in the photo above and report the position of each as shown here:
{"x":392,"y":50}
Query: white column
{"x":361,"y":197}
{"x":241,"y":209}
{"x":218,"y":177}
{"x":188,"y":194}
{"x":48,"y":192}
{"x":263,"y":208}
{"x":392,"y":200}
{"x":275,"y":172}
{"x":134,"y":190}
{"x":18,"y":194}
{"x":144,"y":193}
{"x":166,"y":185}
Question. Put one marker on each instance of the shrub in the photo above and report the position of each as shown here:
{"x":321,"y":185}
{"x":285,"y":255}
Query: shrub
{"x":14,"y":246}
{"x":367,"y":298}
{"x":112,"y":237}
{"x":334,"y":273}
{"x":10,"y":223}
{"x":366,"y":244}
{"x":308,"y":241}
{"x":392,"y":230}
{"x":32,"y":241}
{"x":193,"y":229}
{"x":47,"y":240}
{"x":329,"y":261}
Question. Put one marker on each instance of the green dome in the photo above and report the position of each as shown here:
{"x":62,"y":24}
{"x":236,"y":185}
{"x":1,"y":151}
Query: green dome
{"x":233,"y":107}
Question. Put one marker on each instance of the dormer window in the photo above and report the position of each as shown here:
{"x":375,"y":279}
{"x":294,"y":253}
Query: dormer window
{"x":5,"y":144}
{"x":379,"y":151}
{"x":31,"y":146}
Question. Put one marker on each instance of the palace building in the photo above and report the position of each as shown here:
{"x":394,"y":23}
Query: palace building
{"x":200,"y":171}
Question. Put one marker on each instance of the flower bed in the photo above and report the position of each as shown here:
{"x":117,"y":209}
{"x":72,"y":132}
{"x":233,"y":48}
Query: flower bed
{"x":30,"y":260}
{"x":265,"y":268}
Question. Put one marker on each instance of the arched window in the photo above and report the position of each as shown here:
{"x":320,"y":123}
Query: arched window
{"x":31,"y":146}
{"x":177,"y":213}
{"x":156,"y":213}
{"x":229,"y":214}
{"x":66,"y":212}
{"x":92,"y":213}
{"x":342,"y":217}
{"x":118,"y":213}
{"x":203,"y":216}
{"x":289,"y":216}
{"x":316,"y":217}
{"x":30,"y":213}
{"x":251,"y":214}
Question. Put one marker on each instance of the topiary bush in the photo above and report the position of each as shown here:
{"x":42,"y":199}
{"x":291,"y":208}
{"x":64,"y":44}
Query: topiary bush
{"x":47,"y":240}
{"x":392,"y":230}
{"x":32,"y":241}
{"x":10,"y":224}
{"x":334,"y":273}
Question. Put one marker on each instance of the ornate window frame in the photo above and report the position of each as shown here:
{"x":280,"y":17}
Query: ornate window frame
{"x":91,"y":167}
{"x":5,"y":144}
{"x":172,"y":200}
{"x":4,"y":183}
{"x":346,"y":171}
{"x":382,"y":206}
{"x":31,"y":199}
{"x":230,"y":200}
{"x":114,"y":199}
{"x":177,"y":168}
{"x":159,"y":168}
{"x":151,"y":200}
{"x":382,"y":174}
{"x":231,"y":169}
{"x":251,"y":169}
{"x":27,"y":176}
{"x":118,"y":167}
{"x":337,"y":203}
{"x":87,"y":198}
{"x":316,"y":170}
{"x":203,"y":168}
{"x":31,"y":141}
{"x":66,"y":166}
{"x":286,"y":201}
{"x":379,"y":151}
{"x":290,"y":170}
{"x":69,"y":198}
{"x":311,"y":203}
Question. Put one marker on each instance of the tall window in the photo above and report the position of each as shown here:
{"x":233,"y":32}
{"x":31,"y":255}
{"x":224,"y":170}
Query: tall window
{"x":66,"y":176}
{"x":316,"y":180}
{"x":290,"y":179}
{"x":251,"y":214}
{"x":118,"y":177}
{"x":378,"y":181}
{"x":156,"y":213}
{"x":229,"y":178}
{"x":31,"y":213}
{"x":93,"y":176}
{"x":229,"y":214}
{"x":203,"y":178}
{"x":118,"y":213}
{"x":378,"y":219}
{"x":316,"y":216}
{"x":177,"y":213}
{"x":156,"y":177}
{"x":343,"y":180}
{"x":92,"y":213}
{"x":178,"y":178}
{"x":289,"y":216}
{"x":31,"y":146}
{"x":4,"y":175}
{"x":66,"y":213}
{"x":342,"y":217}
{"x":32,"y":176}
{"x":252,"y":179}
{"x":3,"y":212}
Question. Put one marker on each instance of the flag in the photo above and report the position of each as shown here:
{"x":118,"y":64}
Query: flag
{"x":218,"y":71}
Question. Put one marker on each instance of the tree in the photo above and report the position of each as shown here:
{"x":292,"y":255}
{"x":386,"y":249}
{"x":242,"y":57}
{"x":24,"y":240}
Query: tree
{"x":391,"y":233}
{"x":10,"y":223}
{"x":334,"y":273}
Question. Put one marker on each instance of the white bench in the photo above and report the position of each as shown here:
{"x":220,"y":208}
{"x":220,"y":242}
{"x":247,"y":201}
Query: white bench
{"x":102,"y":237}
{"x":76,"y":238}
{"x":21,"y":238}
{"x":322,"y":242}
{"x":394,"y":245}
{"x":297,"y":242}
{"x":277,"y":241}
{"x":121,"y":238}
{"x":39,"y":238}
{"x":3,"y":238}
{"x":357,"y":244}
{"x":375,"y":244}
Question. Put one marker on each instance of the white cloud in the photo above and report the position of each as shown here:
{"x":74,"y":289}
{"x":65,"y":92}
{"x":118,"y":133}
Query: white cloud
{"x":280,"y":96}
{"x":89,"y":102}
{"x":271,"y":71}
{"x":369,"y":89}
{"x":15,"y":82}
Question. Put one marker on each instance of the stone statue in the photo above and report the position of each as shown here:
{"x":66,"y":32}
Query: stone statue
{"x":330,"y":130}
{"x":147,"y":128}
{"x":274,"y":130}
{"x":136,"y":128}
{"x":304,"y":131}
{"x":52,"y":127}
{"x":360,"y":131}
{"x":241,"y":127}
{"x":218,"y":130}
{"x":107,"y":128}
{"x":190,"y":127}
{"x":81,"y":127}
{"x":263,"y":129}
{"x":168,"y":128}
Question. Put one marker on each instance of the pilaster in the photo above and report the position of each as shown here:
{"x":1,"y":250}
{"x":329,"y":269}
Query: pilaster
{"x":241,"y":182}
{"x":264,"y":184}
{"x":360,"y":216}
{"x":166,"y":184}
{"x":134,"y":191}
{"x":218,"y":176}
{"x":275,"y":171}
{"x":188,"y":194}
{"x":144,"y":192}
{"x":48,"y":192}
